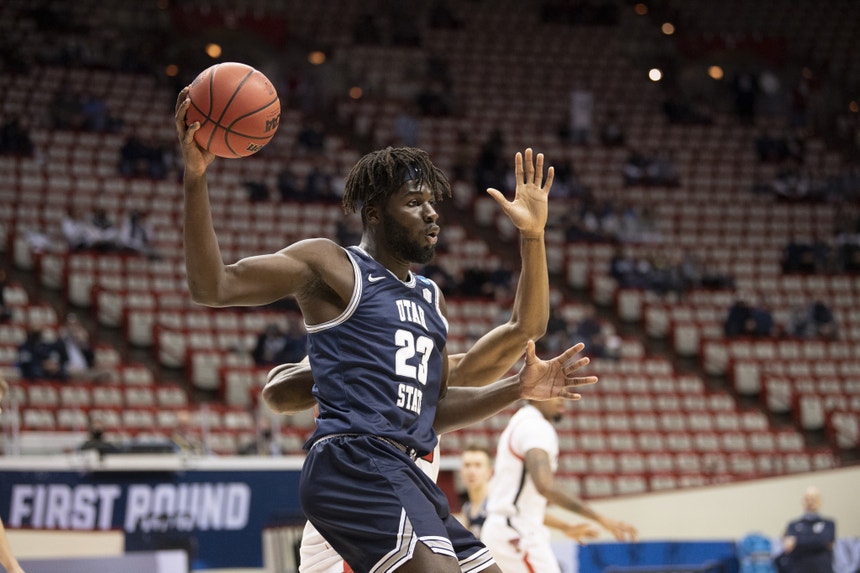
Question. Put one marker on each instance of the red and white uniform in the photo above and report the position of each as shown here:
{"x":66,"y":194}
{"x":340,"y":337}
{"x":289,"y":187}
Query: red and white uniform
{"x":514,"y":531}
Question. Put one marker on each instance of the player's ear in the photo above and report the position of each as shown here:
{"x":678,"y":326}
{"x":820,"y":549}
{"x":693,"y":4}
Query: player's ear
{"x":371,"y":214}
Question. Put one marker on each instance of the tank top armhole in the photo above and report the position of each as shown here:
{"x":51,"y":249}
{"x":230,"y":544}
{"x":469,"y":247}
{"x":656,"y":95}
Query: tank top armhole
{"x":353,"y":301}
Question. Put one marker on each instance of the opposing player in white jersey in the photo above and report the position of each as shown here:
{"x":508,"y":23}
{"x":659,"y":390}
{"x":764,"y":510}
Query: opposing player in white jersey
{"x":523,"y":483}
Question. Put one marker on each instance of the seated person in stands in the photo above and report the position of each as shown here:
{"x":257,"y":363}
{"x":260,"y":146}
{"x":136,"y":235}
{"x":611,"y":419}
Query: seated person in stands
{"x":95,"y":441}
{"x":78,"y":230}
{"x":81,"y":364}
{"x":740,"y":320}
{"x":42,"y":357}
{"x":136,"y":234}
{"x":814,"y":321}
{"x":5,"y":310}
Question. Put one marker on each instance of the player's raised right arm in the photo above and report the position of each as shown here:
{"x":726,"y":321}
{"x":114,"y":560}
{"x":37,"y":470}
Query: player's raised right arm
{"x":251,"y":281}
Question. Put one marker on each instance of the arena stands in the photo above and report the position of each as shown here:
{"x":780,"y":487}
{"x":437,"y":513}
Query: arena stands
{"x":648,"y":425}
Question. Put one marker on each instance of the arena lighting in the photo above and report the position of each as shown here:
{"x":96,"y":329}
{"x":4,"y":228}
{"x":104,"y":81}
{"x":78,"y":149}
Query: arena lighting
{"x":854,"y":106}
{"x":655,"y":75}
{"x":316,"y":57}
{"x":641,"y":8}
{"x":715,"y":72}
{"x":213,"y":50}
{"x":668,"y":28}
{"x":171,"y":71}
{"x":355,"y":92}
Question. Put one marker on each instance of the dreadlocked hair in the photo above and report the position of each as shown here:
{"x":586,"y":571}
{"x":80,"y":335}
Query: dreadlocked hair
{"x":379,"y":174}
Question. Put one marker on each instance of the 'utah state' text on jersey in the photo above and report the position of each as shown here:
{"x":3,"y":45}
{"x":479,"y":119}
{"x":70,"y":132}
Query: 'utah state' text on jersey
{"x":378,"y":366}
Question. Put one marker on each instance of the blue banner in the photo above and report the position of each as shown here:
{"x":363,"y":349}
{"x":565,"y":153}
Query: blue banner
{"x":218,"y":516}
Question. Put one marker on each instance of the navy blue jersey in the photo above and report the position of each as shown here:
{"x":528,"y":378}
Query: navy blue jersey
{"x":378,"y":366}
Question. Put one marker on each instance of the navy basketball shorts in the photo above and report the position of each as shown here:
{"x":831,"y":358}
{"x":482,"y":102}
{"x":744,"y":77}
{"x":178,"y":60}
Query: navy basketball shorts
{"x":372,"y":503}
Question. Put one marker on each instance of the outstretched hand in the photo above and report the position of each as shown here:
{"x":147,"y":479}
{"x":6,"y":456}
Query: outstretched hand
{"x":546,"y":379}
{"x":581,"y":532}
{"x":528,"y":210}
{"x":196,"y":158}
{"x":622,"y":531}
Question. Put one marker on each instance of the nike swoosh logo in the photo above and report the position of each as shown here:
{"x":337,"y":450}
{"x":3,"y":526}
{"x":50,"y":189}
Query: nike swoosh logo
{"x":373,"y":279}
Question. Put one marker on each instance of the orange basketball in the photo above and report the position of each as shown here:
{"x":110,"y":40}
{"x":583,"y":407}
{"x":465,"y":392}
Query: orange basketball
{"x":237,"y":107}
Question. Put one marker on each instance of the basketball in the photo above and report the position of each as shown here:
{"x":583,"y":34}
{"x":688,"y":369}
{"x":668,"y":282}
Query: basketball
{"x":237,"y":107}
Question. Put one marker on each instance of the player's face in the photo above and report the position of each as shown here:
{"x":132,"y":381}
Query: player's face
{"x":476,"y":468}
{"x":410,"y":223}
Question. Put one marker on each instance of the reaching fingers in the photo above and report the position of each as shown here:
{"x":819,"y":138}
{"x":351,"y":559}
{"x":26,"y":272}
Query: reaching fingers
{"x":538,"y":169}
{"x":530,"y":166}
{"x":584,"y":361}
{"x":518,"y":168}
{"x":566,"y":356}
{"x":581,"y":381}
{"x":550,"y":177}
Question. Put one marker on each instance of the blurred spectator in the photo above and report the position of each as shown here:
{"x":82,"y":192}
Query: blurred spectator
{"x":265,"y":443}
{"x":42,"y":357}
{"x":318,"y":183}
{"x":96,"y":440}
{"x":741,"y":319}
{"x":15,"y":139}
{"x":185,"y":436}
{"x":96,"y":116}
{"x":67,"y":110}
{"x":311,"y":137}
{"x":656,"y":169}
{"x":612,"y":132}
{"x":589,"y":330}
{"x":566,"y":184}
{"x":81,"y":356}
{"x":78,"y":229}
{"x":581,"y":114}
{"x":811,"y":256}
{"x":257,"y":192}
{"x":5,"y":310}
{"x":288,"y":185}
{"x":815,"y":320}
{"x":141,"y":159}
{"x":136,"y":235}
{"x":277,"y":346}
{"x":434,"y":99}
{"x":626,"y":270}
{"x":406,"y":126}
{"x":105,"y":234}
{"x":746,"y":90}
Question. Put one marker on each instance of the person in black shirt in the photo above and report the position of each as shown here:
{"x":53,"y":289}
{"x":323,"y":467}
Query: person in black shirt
{"x":808,"y":541}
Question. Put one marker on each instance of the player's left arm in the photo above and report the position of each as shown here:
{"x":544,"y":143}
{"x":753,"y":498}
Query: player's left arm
{"x":580,"y":532}
{"x":539,"y":469}
{"x":497,"y":351}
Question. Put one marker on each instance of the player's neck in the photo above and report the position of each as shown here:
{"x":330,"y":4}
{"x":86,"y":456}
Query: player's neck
{"x":477,"y":495}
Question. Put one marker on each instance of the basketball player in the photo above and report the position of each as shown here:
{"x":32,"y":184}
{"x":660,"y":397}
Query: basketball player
{"x":523,"y":483}
{"x":376,"y":344}
{"x":476,"y":468}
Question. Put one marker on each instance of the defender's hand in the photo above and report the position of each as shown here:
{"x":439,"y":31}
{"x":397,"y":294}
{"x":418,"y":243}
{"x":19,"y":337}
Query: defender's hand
{"x":546,"y":379}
